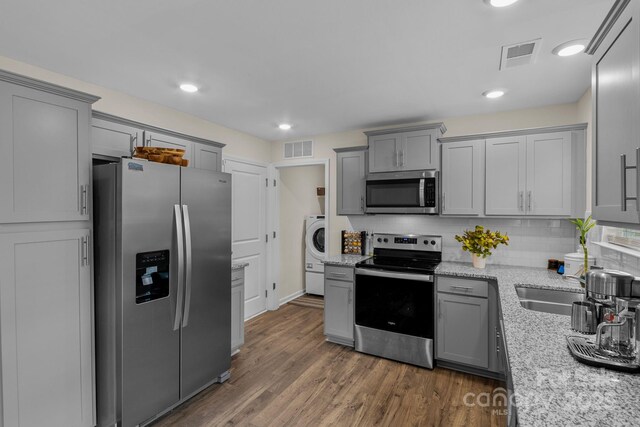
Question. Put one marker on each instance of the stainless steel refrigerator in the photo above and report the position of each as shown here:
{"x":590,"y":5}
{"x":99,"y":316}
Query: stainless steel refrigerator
{"x":163,"y":287}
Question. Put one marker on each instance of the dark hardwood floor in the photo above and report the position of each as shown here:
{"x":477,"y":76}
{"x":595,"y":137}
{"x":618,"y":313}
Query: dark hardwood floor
{"x":288,"y":375}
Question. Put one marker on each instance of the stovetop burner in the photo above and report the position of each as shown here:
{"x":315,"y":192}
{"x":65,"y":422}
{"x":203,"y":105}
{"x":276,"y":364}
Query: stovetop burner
{"x":400,"y":264}
{"x":404,"y":253}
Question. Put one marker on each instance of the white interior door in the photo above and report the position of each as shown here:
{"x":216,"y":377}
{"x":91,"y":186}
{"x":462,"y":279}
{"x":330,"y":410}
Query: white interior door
{"x":249,"y":213}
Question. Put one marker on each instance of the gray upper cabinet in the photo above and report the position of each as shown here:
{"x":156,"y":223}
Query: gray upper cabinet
{"x":207,"y":157}
{"x":46,"y":160}
{"x":616,"y":108}
{"x":549,"y":174}
{"x":114,"y":136}
{"x":533,"y":172}
{"x":46,"y":329}
{"x":506,"y":175}
{"x":156,"y":139}
{"x":384,"y":152}
{"x":351,"y":171}
{"x":419,"y":150}
{"x":463,"y":178}
{"x":405,"y":149}
{"x":529,"y":175}
{"x":113,"y":139}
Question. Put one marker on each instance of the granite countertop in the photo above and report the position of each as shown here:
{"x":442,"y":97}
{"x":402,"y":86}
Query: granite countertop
{"x":238,"y":265}
{"x":551,"y":387}
{"x":345,"y":260}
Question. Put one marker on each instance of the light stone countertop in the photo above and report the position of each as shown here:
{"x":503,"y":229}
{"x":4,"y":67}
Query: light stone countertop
{"x":345,"y":260}
{"x":551,"y":387}
{"x":238,"y":265}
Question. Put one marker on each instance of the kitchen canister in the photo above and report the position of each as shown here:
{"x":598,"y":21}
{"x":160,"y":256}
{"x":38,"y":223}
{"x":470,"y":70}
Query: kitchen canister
{"x":574,"y":263}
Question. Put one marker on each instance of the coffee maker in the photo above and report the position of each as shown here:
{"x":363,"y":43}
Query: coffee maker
{"x":615,"y":299}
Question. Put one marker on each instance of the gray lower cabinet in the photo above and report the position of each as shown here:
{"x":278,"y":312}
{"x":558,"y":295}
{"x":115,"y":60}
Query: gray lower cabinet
{"x":351,"y":165}
{"x":45,"y":162}
{"x":207,"y":157}
{"x":463,"y":329}
{"x":467,"y":326}
{"x":405,"y":149}
{"x":46,"y":329}
{"x":462,"y":178}
{"x":237,"y":309}
{"x":616,"y":108}
{"x":112,"y":139}
{"x":339,"y":304}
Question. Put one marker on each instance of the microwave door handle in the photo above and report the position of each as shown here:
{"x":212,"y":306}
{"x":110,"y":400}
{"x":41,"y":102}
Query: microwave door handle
{"x":421,"y":192}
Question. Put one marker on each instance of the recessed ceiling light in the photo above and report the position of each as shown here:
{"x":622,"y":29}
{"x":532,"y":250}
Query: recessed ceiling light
{"x":500,"y":3}
{"x":570,"y":48}
{"x":188,"y":87}
{"x":493,"y":93}
{"x":284,"y":126}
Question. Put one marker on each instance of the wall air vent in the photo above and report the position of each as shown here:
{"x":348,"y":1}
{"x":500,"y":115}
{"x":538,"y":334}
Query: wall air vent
{"x":294,"y":150}
{"x":519,"y":54}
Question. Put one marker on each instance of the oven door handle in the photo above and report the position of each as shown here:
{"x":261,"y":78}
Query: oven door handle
{"x":421,"y":191}
{"x":394,"y":275}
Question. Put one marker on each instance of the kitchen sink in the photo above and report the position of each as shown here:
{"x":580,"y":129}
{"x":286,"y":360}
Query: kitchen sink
{"x":557,"y":301}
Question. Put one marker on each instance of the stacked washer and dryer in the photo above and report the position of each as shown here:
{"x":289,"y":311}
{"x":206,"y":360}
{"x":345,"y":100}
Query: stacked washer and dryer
{"x":314,"y":254}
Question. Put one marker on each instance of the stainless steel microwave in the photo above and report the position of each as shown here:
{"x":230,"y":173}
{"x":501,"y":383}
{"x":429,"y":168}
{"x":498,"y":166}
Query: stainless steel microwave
{"x":403,"y":193}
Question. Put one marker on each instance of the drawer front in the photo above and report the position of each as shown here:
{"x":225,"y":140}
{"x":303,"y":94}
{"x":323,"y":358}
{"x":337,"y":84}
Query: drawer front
{"x":338,"y":273}
{"x":237,"y":275}
{"x":452,"y":285}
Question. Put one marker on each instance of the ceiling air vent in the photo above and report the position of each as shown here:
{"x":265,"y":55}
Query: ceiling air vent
{"x":519,"y":54}
{"x":294,"y":150}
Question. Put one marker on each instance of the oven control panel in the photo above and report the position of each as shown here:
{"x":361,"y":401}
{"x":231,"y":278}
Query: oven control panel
{"x":414,"y":242}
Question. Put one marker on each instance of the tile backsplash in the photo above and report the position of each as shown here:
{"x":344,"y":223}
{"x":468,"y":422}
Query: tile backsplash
{"x":532,"y":241}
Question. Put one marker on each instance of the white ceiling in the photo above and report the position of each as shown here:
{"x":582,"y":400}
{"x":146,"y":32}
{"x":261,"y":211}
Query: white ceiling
{"x":324,"y":66}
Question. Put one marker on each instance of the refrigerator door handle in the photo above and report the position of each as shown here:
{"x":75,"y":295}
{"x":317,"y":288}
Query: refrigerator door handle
{"x":187,"y":248}
{"x":180,"y":287}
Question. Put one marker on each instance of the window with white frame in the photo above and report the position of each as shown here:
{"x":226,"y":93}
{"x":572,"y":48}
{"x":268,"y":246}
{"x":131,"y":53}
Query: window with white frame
{"x":622,"y":237}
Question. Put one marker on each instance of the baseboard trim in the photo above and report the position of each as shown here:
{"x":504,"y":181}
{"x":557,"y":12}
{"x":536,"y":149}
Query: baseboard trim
{"x":291,"y":297}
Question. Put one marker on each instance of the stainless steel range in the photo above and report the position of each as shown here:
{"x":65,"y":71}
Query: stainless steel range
{"x":394,"y":298}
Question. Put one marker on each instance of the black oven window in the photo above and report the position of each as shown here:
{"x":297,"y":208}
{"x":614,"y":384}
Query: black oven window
{"x":396,"y":193}
{"x":395,"y":305}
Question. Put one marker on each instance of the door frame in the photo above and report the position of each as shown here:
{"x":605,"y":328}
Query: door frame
{"x":271,"y":295}
{"x":273,"y":207}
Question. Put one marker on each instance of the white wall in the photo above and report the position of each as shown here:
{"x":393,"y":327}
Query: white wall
{"x":297,"y":190}
{"x":560,"y":237}
{"x":120,"y":104}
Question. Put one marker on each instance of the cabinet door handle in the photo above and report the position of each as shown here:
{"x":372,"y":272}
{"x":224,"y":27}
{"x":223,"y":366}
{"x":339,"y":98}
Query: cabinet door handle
{"x":521,"y":204}
{"x":638,"y":179}
{"x":133,"y":141}
{"x":84,"y":251}
{"x":362,"y":204}
{"x":439,"y":309}
{"x":529,"y":200}
{"x":623,"y":181}
{"x":395,"y":154}
{"x":338,"y":275}
{"x":463,"y":288}
{"x":83,"y":199}
{"x":349,"y":296}
{"x":401,"y":154}
{"x":497,"y":341}
{"x":444,"y":206}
